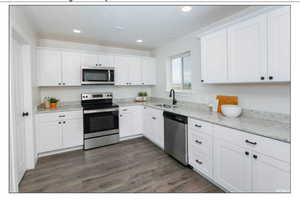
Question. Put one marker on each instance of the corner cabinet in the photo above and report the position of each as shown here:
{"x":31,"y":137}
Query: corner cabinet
{"x":130,"y":121}
{"x":254,"y":50}
{"x":59,"y":130}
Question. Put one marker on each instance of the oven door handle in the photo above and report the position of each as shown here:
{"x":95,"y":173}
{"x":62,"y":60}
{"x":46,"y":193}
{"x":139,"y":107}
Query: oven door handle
{"x":100,"y":110}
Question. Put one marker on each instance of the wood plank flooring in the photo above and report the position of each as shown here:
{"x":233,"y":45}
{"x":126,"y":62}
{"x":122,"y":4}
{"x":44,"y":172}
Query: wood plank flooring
{"x":131,"y":166}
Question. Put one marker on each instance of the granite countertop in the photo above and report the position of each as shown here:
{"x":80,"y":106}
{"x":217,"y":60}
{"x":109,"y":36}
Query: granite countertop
{"x":62,"y":107}
{"x":277,"y":130}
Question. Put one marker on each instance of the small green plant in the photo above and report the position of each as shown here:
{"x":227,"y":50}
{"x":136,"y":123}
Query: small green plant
{"x":53,"y":100}
{"x":140,"y":94}
{"x":145,"y":94}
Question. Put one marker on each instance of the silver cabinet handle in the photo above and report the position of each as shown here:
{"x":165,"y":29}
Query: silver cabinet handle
{"x":197,"y":141}
{"x":199,"y":162}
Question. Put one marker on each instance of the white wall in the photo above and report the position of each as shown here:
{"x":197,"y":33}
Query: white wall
{"x":274,"y":97}
{"x":73,"y":93}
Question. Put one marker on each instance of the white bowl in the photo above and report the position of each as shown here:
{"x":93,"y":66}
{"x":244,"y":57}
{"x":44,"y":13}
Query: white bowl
{"x":231,"y":111}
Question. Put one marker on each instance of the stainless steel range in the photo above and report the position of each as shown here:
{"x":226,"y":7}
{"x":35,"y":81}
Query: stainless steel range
{"x":101,"y":120}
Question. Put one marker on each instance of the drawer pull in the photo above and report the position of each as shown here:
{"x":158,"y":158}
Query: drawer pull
{"x":199,"y":126}
{"x":199,"y":162}
{"x":247,"y":153}
{"x":247,"y":141}
{"x":197,"y":141}
{"x":61,"y":115}
{"x":255,"y":156}
{"x":154,"y":118}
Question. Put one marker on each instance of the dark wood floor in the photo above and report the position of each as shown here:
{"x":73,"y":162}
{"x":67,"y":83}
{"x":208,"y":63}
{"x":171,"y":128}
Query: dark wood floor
{"x":130,"y":166}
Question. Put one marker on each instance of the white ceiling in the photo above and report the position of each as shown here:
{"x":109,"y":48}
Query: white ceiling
{"x":155,"y":25}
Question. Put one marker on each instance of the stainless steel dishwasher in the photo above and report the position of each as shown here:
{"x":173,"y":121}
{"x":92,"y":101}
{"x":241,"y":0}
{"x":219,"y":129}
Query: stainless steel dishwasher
{"x":175,"y":132}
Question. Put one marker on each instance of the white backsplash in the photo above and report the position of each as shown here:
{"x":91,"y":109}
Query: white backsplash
{"x":73,"y":93}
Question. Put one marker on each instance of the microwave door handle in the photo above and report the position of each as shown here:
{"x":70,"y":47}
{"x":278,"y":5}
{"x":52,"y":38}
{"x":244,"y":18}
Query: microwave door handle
{"x":108,"y":75}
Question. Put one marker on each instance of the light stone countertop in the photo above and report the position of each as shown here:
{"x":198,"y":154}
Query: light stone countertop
{"x":263,"y":127}
{"x":62,"y":107}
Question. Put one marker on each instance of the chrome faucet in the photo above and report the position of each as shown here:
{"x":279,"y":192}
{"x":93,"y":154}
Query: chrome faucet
{"x":172,"y":94}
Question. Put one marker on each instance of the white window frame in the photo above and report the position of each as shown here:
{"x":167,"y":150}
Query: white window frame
{"x":169,"y":73}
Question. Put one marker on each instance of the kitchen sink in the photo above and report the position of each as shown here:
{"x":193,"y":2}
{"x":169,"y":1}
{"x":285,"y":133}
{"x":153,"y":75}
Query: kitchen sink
{"x":166,"y":105}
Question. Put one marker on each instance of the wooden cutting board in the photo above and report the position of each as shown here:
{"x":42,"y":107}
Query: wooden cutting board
{"x":232,"y":100}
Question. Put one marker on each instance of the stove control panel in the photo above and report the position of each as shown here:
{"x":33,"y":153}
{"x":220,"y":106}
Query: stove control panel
{"x":95,"y":96}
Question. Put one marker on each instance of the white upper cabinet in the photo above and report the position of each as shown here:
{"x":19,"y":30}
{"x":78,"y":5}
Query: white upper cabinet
{"x":89,"y":59}
{"x":279,"y":45}
{"x":254,"y":50}
{"x":148,"y":71}
{"x":247,"y":44}
{"x":49,"y":67}
{"x":121,"y":70}
{"x":71,"y":69}
{"x":106,"y":60}
{"x":135,"y":70}
{"x":214,"y":57}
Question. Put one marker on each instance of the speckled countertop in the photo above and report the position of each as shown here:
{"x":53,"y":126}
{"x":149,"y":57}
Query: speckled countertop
{"x":278,"y":130}
{"x":263,"y":127}
{"x":62,"y":107}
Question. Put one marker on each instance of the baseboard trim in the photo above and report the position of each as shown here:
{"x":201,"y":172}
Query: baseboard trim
{"x":59,"y":151}
{"x":130,"y":137}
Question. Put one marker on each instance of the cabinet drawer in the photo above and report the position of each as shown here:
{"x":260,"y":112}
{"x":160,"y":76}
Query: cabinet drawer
{"x":200,"y":126}
{"x":266,"y":146}
{"x":200,"y":142}
{"x":201,"y":162}
{"x":45,"y":117}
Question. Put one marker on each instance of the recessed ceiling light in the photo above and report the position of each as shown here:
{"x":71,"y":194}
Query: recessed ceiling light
{"x":186,"y":8}
{"x":139,"y":41}
{"x":76,"y":31}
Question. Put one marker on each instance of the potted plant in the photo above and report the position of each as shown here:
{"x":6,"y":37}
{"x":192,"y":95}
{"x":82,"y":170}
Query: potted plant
{"x":140,"y":97}
{"x":53,"y":102}
{"x":145,"y":96}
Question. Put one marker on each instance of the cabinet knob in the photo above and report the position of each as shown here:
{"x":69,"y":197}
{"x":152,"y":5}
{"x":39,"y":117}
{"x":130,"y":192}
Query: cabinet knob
{"x":199,"y":162}
{"x":197,"y":141}
{"x":121,"y":115}
{"x":202,"y":81}
{"x":246,"y":153}
{"x":64,"y":122}
{"x":59,"y":83}
{"x":197,"y":125}
{"x":154,"y":118}
{"x":262,"y":78}
{"x":64,"y":83}
{"x":255,"y":156}
{"x":270,"y":77}
{"x":59,"y":122}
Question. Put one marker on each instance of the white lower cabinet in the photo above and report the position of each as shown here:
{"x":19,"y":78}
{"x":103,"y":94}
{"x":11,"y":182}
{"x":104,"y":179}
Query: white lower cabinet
{"x":248,"y":163}
{"x":153,"y":127}
{"x":130,"y":121}
{"x":56,"y":131}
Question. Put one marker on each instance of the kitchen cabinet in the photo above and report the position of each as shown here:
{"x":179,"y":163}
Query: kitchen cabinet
{"x":254,"y":50}
{"x":279,"y":41}
{"x":127,"y":70}
{"x":89,"y":59}
{"x":61,"y":130}
{"x":153,"y":128}
{"x":130,"y":121}
{"x":101,"y":60}
{"x":248,"y":163}
{"x":214,"y":57}
{"x":71,"y":69}
{"x":58,"y":68}
{"x":247,"y":46}
{"x":106,"y":60}
{"x":49,"y":67}
{"x":200,"y":144}
{"x":148,"y":66}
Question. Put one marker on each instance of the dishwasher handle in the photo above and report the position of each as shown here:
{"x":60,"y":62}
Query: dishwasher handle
{"x":176,"y":117}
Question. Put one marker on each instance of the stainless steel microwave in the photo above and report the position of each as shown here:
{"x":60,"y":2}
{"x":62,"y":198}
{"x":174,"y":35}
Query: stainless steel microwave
{"x":97,"y":75}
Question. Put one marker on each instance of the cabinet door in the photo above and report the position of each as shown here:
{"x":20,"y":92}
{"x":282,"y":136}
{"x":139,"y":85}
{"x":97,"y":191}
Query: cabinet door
{"x":125,"y":124}
{"x":147,"y":126}
{"x":130,"y":121}
{"x":148,"y":68}
{"x":279,"y":43}
{"x":71,"y":69}
{"x":158,"y":131}
{"x":49,"y":67}
{"x":106,"y":60}
{"x":49,"y":136}
{"x":121,"y":70}
{"x":247,"y":51}
{"x":89,"y":59}
{"x":72,"y":133}
{"x":232,"y":167}
{"x":214,"y":57}
{"x":135,"y":72}
{"x":269,"y":174}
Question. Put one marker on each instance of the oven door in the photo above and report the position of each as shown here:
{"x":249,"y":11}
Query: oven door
{"x":101,"y":122}
{"x":94,"y":75}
